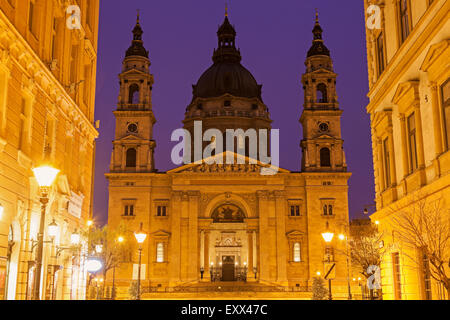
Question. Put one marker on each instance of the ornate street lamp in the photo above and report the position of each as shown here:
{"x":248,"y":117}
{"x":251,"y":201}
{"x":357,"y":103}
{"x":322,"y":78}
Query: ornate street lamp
{"x":343,"y":237}
{"x":75,"y":238}
{"x":52,"y":230}
{"x":45,"y":176}
{"x":328,"y":237}
{"x":140,"y":238}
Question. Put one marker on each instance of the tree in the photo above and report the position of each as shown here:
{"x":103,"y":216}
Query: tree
{"x":424,"y":228}
{"x":320,"y":292}
{"x":113,"y":252}
{"x":133,"y":290}
{"x":365,"y":250}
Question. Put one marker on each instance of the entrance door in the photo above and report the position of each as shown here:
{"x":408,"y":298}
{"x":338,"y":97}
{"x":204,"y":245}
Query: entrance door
{"x":228,"y":268}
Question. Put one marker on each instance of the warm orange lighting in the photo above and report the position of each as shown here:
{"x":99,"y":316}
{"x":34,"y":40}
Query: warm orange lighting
{"x":120,"y":239}
{"x":45,"y":175}
{"x":342,"y":237}
{"x":52,"y":229}
{"x":140,"y":235}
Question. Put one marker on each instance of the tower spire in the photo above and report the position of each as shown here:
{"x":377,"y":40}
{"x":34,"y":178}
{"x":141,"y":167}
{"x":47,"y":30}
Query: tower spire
{"x":318,"y":47}
{"x":226,"y":8}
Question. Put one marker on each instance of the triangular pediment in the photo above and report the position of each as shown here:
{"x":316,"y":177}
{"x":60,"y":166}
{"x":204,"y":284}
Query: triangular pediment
{"x":134,"y":72}
{"x":325,"y":136}
{"x":323,"y":70}
{"x":161,"y":234}
{"x":404,"y":88}
{"x":434,"y":53}
{"x":241,"y":164}
{"x":130,"y":137}
{"x":294,"y":234}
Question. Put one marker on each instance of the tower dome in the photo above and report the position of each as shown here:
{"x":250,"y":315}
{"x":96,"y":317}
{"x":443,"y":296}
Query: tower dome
{"x":227,"y":75}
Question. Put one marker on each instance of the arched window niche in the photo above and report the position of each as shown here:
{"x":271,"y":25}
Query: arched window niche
{"x":325,"y":157}
{"x":134,"y":96}
{"x":322,"y":95}
{"x":131,"y":158}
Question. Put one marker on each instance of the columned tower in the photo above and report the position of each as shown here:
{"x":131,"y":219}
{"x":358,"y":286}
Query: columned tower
{"x":133,"y":145}
{"x":322,"y":142}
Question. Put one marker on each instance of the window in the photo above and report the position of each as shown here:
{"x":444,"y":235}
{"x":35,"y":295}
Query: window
{"x":131,"y":158}
{"x":161,"y":211}
{"x":87,"y":84}
{"x":322,"y":93}
{"x":387,"y":163}
{"x":227,"y":103}
{"x":73,"y":64}
{"x":160,"y":252}
{"x":295,"y":211}
{"x":32,"y":17}
{"x":397,"y":275}
{"x":380,"y":53}
{"x":54,"y":38}
{"x":404,"y":20}
{"x":327,"y":209}
{"x":412,"y":142}
{"x":134,"y":94}
{"x":297,"y":252}
{"x":445,"y":96}
{"x":128,"y":210}
{"x":325,"y":157}
{"x":25,"y":124}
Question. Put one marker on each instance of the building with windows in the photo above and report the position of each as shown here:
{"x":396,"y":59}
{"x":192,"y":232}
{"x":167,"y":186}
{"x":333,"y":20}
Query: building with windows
{"x":214,"y":226}
{"x":47,"y":93}
{"x":408,"y":66}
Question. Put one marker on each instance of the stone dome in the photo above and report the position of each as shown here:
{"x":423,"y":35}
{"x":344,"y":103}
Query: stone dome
{"x":227,"y":77}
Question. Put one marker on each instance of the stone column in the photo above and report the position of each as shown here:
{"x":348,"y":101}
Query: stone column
{"x":264,"y":241}
{"x":193,"y":235}
{"x":436,"y":120}
{"x":282,"y":247}
{"x":419,"y":136}
{"x":174,"y":265}
{"x":382,"y":165}
{"x":392,"y":156}
{"x":404,"y":145}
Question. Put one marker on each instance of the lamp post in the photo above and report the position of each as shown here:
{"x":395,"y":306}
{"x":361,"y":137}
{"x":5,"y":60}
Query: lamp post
{"x":45,"y":176}
{"x":345,"y":237}
{"x":328,"y":237}
{"x":140,"y":238}
{"x":113,"y":293}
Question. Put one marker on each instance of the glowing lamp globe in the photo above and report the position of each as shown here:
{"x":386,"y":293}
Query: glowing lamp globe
{"x":327,"y":236}
{"x":98,"y":248}
{"x":45,"y":175}
{"x":75,"y":238}
{"x":52,"y":229}
{"x":93,"y":265}
{"x":140,"y":236}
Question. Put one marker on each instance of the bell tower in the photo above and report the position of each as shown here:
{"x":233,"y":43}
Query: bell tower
{"x":322,"y":143}
{"x":133,"y":145}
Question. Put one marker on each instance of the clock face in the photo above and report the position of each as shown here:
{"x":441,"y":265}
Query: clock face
{"x":323,"y":127}
{"x":132,"y":128}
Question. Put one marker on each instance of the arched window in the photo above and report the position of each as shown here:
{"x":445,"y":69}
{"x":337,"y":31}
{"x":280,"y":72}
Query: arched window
{"x":131,"y":158}
{"x":160,"y":252}
{"x":325,"y":157}
{"x":297,"y":256}
{"x":322,"y":93}
{"x":134,"y":94}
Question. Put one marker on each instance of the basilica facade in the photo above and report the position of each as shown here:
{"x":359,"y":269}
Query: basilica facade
{"x":212,"y":224}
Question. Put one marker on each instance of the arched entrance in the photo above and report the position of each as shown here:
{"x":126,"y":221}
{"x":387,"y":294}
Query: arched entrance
{"x":228,"y":243}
